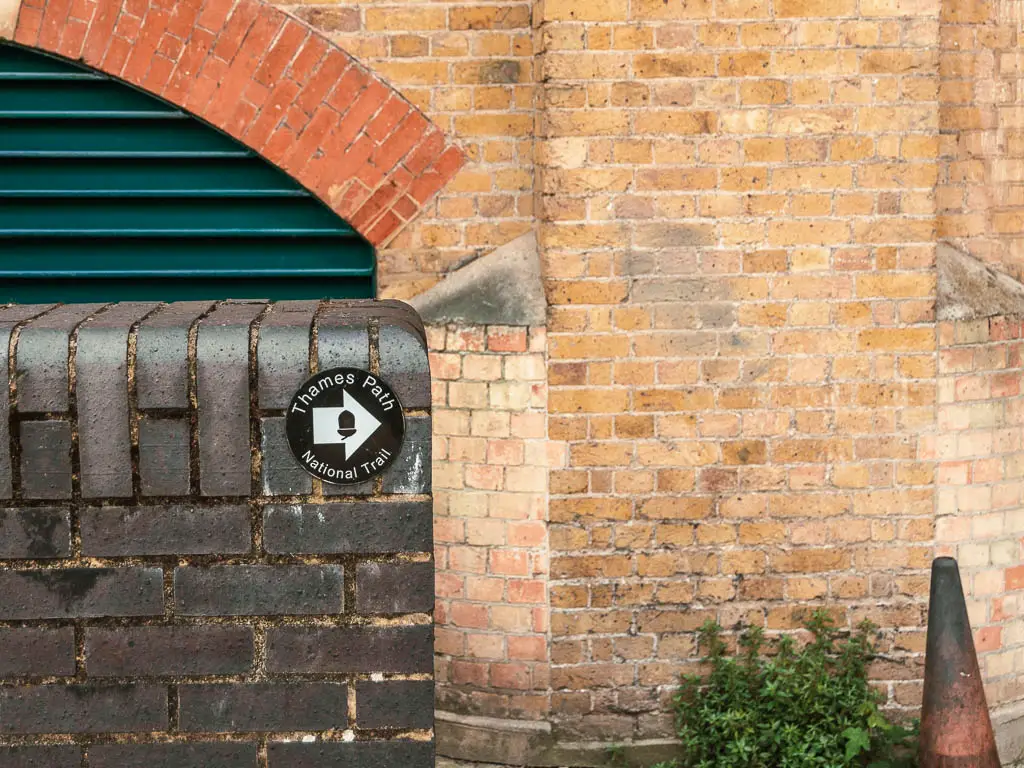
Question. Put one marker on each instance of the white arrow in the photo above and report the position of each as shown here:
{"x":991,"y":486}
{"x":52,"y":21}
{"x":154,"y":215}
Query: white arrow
{"x":366,"y":424}
{"x":326,"y":431}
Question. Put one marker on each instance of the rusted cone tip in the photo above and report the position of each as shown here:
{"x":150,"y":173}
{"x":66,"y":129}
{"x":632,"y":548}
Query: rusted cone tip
{"x":956,"y":731}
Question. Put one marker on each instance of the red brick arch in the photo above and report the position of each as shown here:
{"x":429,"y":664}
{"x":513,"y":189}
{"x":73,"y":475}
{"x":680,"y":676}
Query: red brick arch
{"x":271,"y":82}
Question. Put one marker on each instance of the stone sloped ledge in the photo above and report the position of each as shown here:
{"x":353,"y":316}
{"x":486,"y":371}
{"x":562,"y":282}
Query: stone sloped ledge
{"x":969,"y":289}
{"x":503,"y":287}
{"x":1008,"y":723}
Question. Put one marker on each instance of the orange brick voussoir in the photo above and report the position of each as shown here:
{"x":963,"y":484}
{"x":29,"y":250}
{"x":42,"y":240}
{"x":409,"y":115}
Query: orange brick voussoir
{"x":271,"y":82}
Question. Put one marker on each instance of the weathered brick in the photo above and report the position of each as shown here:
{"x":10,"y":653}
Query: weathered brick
{"x":126,"y":531}
{"x":258,"y":590}
{"x":42,"y":358}
{"x":164,"y":468}
{"x":280,"y":473}
{"x":83,"y":709}
{"x":34,"y":533}
{"x":222,"y":383}
{"x":274,"y":706}
{"x":411,"y":471}
{"x":370,"y":527}
{"x":81,"y":593}
{"x":194,"y":755}
{"x":395,"y":704}
{"x":404,"y":364}
{"x":45,"y":459}
{"x":167,"y":651}
{"x":64,"y":756}
{"x":365,"y":488}
{"x":10,"y":317}
{"x":408,"y":754}
{"x":283,"y":352}
{"x":161,"y":354}
{"x":33,"y":651}
{"x":342,"y":339}
{"x":385,"y":588}
{"x":334,"y":650}
{"x":101,"y":392}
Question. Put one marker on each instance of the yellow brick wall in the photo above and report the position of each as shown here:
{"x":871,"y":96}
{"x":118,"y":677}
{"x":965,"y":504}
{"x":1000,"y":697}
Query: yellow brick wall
{"x":469,"y":66}
{"x":738,"y":229}
{"x":981,"y":189}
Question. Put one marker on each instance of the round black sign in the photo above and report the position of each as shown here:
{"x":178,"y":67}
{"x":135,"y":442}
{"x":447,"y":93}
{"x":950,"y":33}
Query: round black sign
{"x":345,"y":425}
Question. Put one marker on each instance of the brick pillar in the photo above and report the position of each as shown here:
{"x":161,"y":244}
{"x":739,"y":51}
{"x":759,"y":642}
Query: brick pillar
{"x":490,"y":398}
{"x":978,"y":514}
{"x":174,"y":589}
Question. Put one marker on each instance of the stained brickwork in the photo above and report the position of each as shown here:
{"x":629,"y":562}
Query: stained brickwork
{"x":979,"y":194}
{"x":163,"y":601}
{"x":739,"y":248}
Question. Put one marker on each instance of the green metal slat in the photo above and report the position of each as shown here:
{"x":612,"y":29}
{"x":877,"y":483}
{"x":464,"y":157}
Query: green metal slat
{"x":197,"y":255}
{"x":185,"y":273}
{"x":70,"y":99}
{"x":56,"y":154}
{"x":151,"y":137}
{"x":94,"y":114}
{"x":135,"y":214}
{"x":109,"y":194}
{"x":245,"y":174}
{"x":123,"y":194}
{"x":84,"y":289}
{"x":253,"y":232}
{"x":15,"y":59}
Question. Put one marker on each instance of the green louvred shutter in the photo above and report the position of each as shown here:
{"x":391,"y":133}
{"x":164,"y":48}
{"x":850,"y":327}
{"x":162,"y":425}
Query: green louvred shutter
{"x":112,"y":194}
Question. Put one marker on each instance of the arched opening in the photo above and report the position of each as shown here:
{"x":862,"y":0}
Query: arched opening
{"x":111,"y":193}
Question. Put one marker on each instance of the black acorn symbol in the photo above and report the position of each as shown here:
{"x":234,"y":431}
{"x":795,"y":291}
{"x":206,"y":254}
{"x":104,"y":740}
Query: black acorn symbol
{"x":347,"y":424}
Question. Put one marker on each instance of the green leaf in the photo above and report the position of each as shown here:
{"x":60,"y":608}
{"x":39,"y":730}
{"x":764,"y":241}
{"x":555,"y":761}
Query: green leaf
{"x":857,"y":741}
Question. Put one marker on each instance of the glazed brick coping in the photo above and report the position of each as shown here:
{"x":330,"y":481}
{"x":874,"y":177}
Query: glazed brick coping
{"x":175,"y":590}
{"x":273,"y":83}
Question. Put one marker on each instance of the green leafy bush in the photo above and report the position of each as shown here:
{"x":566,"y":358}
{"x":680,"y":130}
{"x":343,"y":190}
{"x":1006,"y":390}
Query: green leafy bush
{"x":809,"y":707}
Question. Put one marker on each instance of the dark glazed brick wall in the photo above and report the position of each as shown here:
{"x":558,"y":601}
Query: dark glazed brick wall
{"x":394,"y":587}
{"x":104,"y":437}
{"x":175,"y":591}
{"x":167,"y":530}
{"x":83,"y":708}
